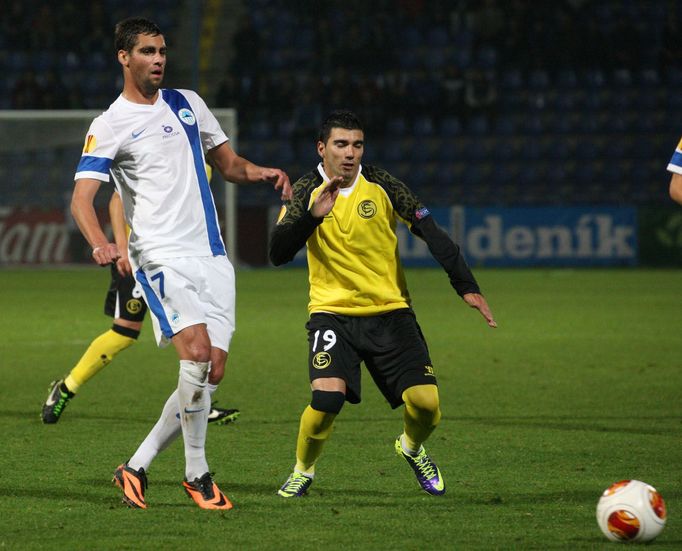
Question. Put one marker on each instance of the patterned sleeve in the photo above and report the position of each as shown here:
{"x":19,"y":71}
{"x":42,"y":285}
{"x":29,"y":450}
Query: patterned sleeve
{"x":421,"y":223}
{"x":405,"y":203}
{"x":295,"y":223}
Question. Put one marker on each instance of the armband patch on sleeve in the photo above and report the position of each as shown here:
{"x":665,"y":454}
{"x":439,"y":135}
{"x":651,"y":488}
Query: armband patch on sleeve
{"x":421,"y":213}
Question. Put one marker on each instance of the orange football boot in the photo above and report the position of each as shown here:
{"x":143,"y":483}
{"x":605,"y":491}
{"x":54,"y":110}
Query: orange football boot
{"x":206,"y":493}
{"x":133,"y":483}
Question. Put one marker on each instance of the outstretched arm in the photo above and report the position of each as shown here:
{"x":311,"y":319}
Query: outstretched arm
{"x":448,"y":254}
{"x":234,"y":168}
{"x":83,"y":210}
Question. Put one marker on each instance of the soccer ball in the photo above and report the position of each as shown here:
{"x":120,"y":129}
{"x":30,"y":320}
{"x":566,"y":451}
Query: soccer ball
{"x":631,"y":510}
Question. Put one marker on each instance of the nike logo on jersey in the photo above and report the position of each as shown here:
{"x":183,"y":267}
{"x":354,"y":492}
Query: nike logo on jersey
{"x":136,"y":134}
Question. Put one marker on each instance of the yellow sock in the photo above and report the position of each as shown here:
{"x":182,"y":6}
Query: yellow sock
{"x":100,"y":352}
{"x":314,"y":431}
{"x":422,"y":415}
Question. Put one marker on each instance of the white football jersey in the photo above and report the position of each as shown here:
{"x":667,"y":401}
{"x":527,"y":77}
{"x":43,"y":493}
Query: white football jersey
{"x":155,"y":155}
{"x":675,"y":164}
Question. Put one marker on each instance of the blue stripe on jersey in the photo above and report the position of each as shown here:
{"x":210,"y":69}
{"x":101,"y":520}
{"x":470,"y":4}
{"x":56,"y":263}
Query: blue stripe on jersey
{"x":154,"y":304}
{"x":177,"y":101}
{"x":90,"y":163}
{"x":677,"y":159}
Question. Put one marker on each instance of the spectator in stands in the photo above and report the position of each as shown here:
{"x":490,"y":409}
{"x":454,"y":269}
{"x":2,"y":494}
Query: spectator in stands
{"x":452,"y":83}
{"x":480,"y":93}
{"x":671,"y":48}
{"x":228,"y":92}
{"x":55,"y":95}
{"x":247,"y":45}
{"x":27,"y":92}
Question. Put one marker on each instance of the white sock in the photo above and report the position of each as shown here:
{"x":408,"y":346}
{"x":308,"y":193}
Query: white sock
{"x":165,"y":432}
{"x":195,"y":404}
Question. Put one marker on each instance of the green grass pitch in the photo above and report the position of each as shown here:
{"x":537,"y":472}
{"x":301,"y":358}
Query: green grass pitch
{"x":580,"y":386}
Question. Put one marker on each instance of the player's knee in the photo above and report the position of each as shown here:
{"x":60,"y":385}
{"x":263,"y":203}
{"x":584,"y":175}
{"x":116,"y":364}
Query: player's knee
{"x":199,"y":351}
{"x":327,"y":402}
{"x":424,"y":399}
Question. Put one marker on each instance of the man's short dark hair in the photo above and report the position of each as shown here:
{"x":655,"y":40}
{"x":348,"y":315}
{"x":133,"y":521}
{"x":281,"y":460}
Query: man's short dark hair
{"x":126,"y":31}
{"x":339,"y":119}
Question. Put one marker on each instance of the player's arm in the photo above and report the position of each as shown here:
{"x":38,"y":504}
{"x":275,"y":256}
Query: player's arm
{"x":83,"y":211}
{"x":449,"y":256}
{"x":442,"y":248}
{"x":120,"y":231}
{"x":297,"y":222}
{"x":234,"y":168}
{"x":676,"y":188}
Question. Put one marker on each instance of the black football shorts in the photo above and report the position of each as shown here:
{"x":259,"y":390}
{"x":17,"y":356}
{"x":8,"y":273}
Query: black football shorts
{"x":124,"y":298}
{"x":391,"y":345}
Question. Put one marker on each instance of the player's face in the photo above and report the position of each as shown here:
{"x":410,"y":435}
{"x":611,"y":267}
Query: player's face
{"x":146,"y":62}
{"x":342,"y":153}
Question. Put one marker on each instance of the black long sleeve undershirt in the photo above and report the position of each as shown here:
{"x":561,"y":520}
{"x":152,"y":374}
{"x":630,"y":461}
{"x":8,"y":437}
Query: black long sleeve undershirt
{"x":447,"y":253}
{"x":287,"y":239}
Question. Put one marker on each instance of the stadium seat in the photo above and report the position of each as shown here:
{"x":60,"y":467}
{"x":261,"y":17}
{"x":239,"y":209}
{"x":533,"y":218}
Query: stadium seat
{"x":539,"y":79}
{"x":423,"y":126}
{"x":450,"y":127}
{"x":512,"y":79}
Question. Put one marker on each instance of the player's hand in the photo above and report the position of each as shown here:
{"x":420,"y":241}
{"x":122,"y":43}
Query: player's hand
{"x":478,"y":301}
{"x":325,"y":200}
{"x":280,"y":180}
{"x":105,"y":254}
{"x":123,"y":266}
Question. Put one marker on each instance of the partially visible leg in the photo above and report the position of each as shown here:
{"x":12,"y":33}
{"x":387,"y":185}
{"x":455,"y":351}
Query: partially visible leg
{"x":219,"y":416}
{"x":422,"y":414}
{"x":317,"y":422}
{"x":168,"y":427}
{"x":315,"y":429}
{"x":194,"y":401}
{"x":194,"y":348}
{"x":100,"y":353}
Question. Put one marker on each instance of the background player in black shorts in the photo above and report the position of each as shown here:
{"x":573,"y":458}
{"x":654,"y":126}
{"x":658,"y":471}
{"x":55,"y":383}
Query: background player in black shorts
{"x":359,"y":305}
{"x":123,"y":303}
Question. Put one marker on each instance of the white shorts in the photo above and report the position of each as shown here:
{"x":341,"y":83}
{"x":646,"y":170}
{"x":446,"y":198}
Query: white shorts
{"x":182,"y":292}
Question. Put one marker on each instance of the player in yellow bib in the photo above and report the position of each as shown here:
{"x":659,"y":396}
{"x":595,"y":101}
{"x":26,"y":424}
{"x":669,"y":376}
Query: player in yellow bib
{"x":347,"y":214}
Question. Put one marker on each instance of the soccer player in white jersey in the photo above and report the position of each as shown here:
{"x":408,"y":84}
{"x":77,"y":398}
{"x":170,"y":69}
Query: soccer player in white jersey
{"x":153,"y":143}
{"x":675,"y":166}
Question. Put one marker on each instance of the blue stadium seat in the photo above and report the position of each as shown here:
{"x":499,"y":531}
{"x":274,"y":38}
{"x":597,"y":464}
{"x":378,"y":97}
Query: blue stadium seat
{"x":423,"y":126}
{"x":567,"y":79}
{"x":478,"y":125}
{"x":450,"y":127}
{"x":512,"y":79}
{"x":505,"y":125}
{"x":539,"y":79}
{"x":396,"y":127}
